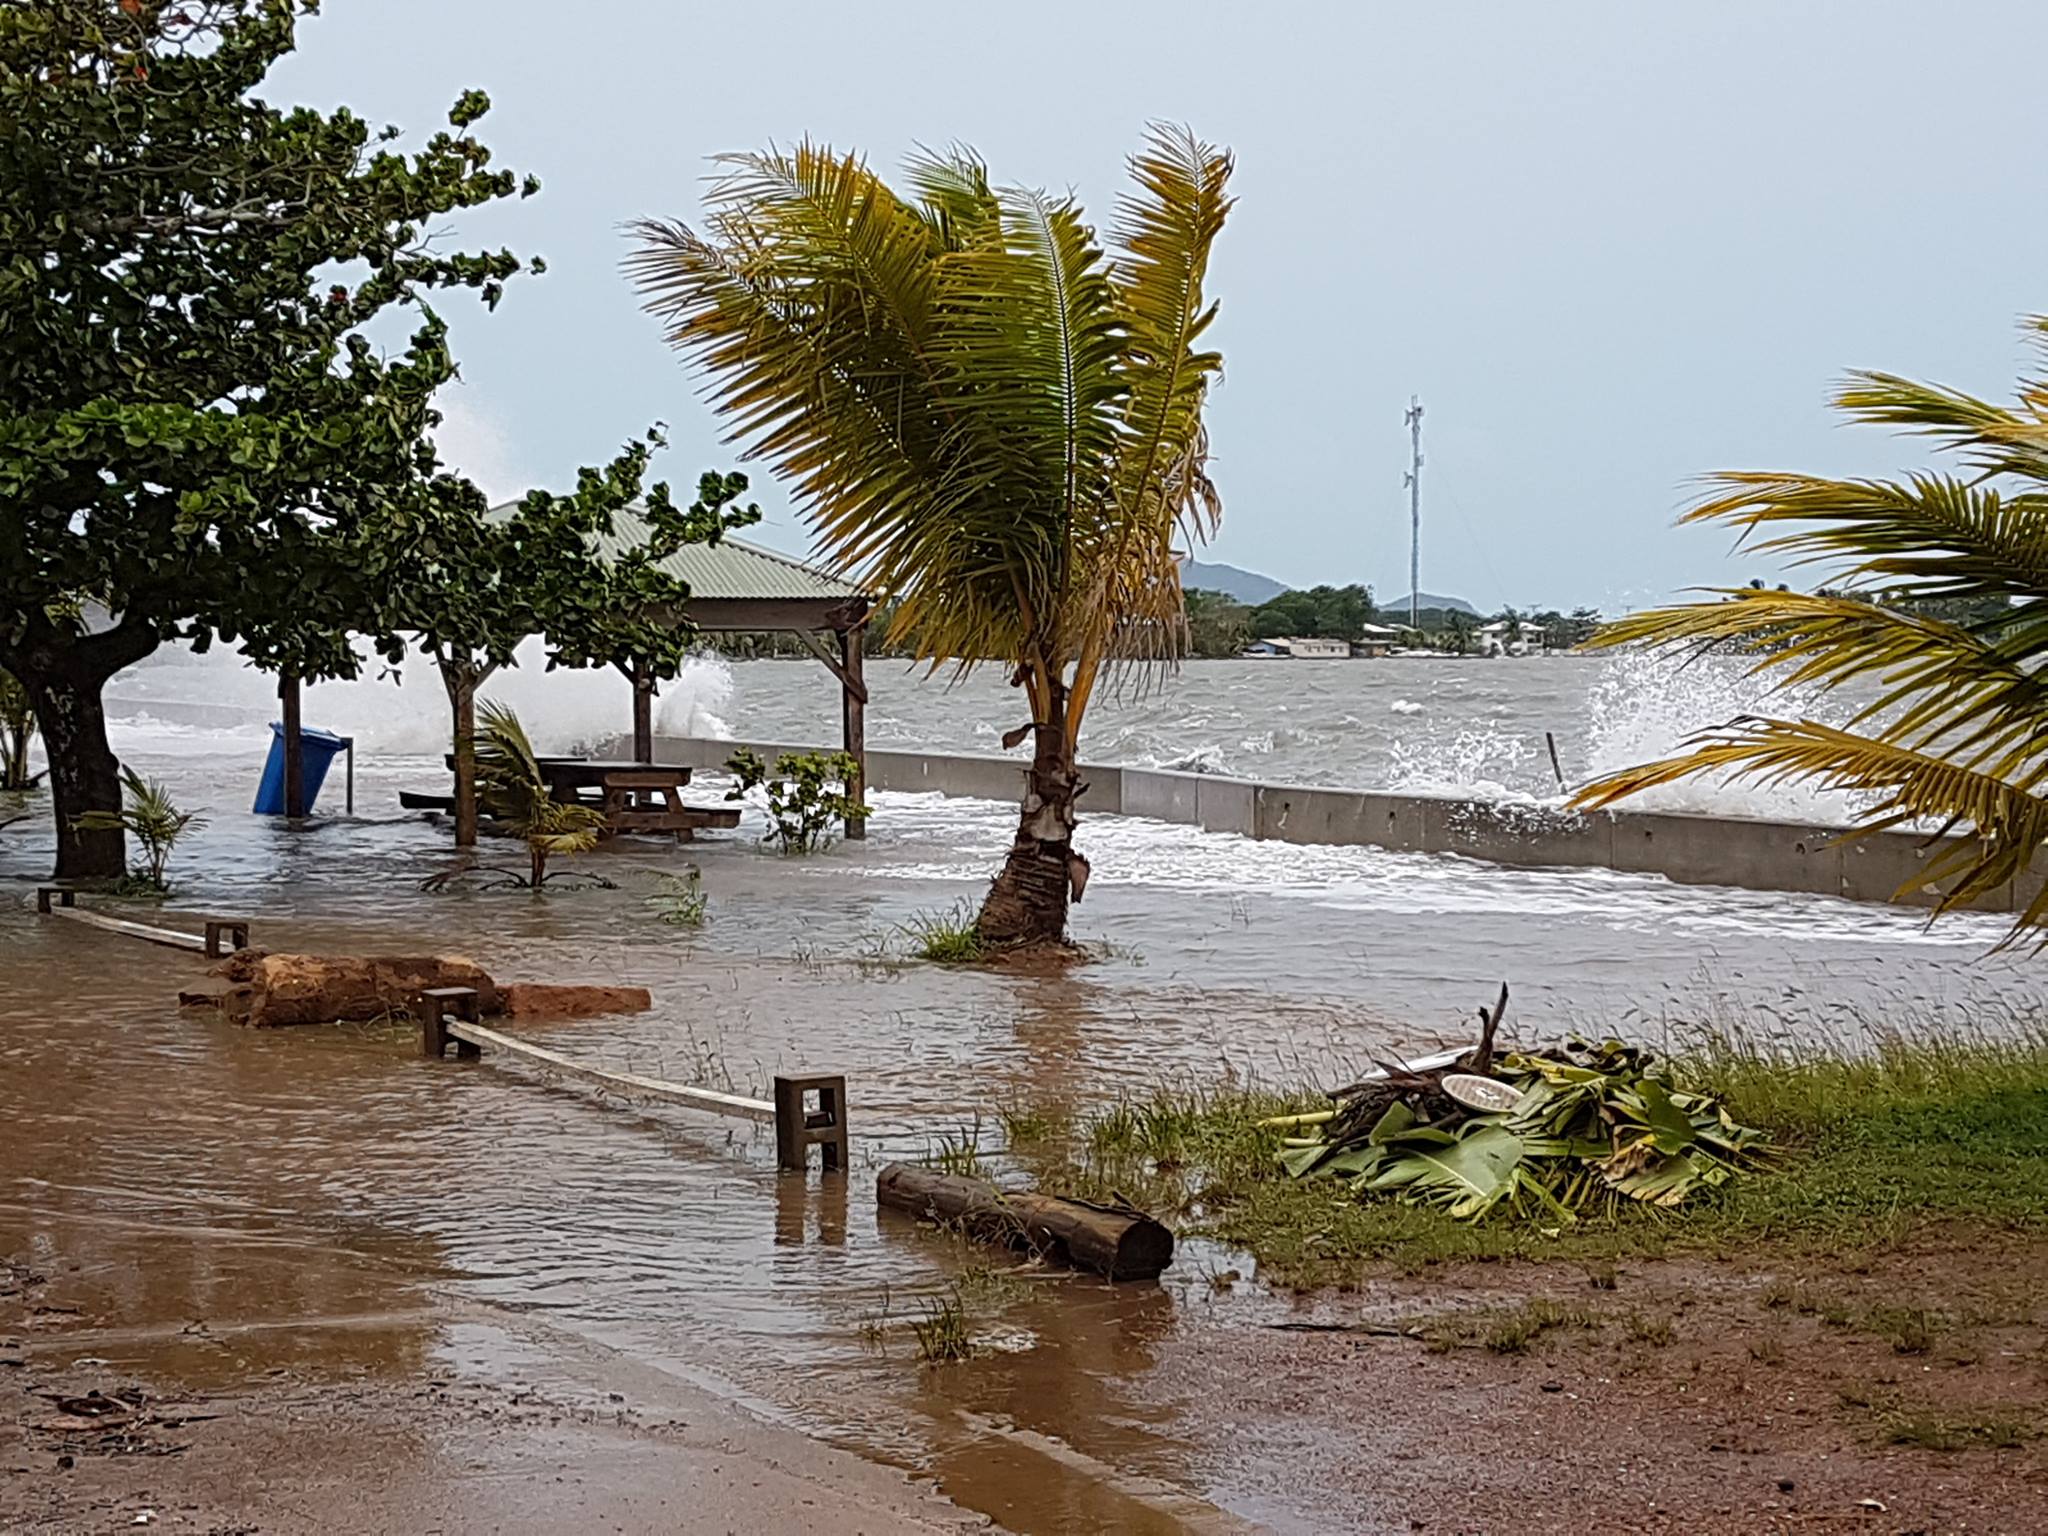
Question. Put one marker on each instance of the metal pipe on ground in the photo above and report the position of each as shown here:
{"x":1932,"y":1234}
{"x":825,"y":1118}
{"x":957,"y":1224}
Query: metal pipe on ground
{"x":806,"y":1111}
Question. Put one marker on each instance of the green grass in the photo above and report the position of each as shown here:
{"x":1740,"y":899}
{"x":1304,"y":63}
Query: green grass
{"x":1866,"y":1152}
{"x":942,"y":1333}
{"x":1504,"y":1330}
{"x":959,"y":1154}
{"x":947,"y":938}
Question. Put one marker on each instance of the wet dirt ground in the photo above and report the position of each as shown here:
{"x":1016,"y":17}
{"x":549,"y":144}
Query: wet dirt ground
{"x":448,"y":1269}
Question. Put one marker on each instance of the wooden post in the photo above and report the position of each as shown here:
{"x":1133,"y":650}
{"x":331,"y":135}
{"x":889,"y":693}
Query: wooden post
{"x":294,"y":748}
{"x":854,"y":719}
{"x":643,"y":713}
{"x":235,"y":928}
{"x":436,"y":1003}
{"x":797,"y":1128}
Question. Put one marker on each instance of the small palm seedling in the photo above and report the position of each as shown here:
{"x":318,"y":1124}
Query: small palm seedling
{"x":152,"y":820}
{"x":513,"y":790}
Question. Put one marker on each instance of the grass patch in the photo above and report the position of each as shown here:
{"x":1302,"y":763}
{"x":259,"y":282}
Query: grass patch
{"x":947,"y":938}
{"x":1504,"y":1330}
{"x":1940,"y":1430}
{"x":1649,"y":1328}
{"x":1869,"y":1150}
{"x":959,"y":1154}
{"x":942,"y":1333}
{"x":1031,"y":1125}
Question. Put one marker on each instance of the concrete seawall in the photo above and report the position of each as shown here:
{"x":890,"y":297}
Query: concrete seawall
{"x":1692,"y":850}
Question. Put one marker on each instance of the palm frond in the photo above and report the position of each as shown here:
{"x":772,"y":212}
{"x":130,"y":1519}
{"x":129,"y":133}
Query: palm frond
{"x":1936,"y":683}
{"x":2004,"y":826}
{"x":1929,"y":536}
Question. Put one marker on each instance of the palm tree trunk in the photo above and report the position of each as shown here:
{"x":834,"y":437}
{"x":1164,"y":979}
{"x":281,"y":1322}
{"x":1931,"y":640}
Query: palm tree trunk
{"x":1028,"y":902}
{"x":537,"y":859}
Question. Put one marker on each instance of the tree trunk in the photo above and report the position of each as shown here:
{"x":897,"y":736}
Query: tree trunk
{"x":84,"y":775}
{"x":461,"y":680}
{"x":1028,"y":902}
{"x":537,"y":860}
{"x":64,"y":672}
{"x":643,"y":712}
{"x":1122,"y":1244}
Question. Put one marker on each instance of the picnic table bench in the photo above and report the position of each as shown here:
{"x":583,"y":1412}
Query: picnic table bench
{"x":632,"y":796}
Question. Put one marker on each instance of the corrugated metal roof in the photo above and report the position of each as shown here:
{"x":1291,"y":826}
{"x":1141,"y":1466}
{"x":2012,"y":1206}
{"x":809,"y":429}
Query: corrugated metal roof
{"x":729,"y":569}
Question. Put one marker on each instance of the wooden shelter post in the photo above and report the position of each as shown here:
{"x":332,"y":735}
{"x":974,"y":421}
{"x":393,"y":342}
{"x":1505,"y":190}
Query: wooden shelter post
{"x":853,"y":700}
{"x":294,"y":747}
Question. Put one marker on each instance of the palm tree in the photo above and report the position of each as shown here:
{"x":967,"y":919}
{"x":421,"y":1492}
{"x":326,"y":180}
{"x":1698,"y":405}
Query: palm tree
{"x":987,"y":416}
{"x":1953,"y":728}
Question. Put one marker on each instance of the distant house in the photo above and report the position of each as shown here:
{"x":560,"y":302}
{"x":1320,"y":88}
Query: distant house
{"x":1300,"y":648}
{"x":1378,"y":639}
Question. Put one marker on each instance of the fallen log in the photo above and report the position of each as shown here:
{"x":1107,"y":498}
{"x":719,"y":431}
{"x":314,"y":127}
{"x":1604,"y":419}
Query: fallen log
{"x":1122,"y":1243}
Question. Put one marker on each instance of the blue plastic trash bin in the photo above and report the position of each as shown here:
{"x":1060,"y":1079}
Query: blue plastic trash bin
{"x":316,"y":751}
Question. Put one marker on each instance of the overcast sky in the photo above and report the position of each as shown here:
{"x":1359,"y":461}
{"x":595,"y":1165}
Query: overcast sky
{"x":1610,"y":246}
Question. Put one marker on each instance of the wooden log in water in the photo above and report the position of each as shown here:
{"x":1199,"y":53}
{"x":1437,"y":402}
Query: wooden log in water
{"x":1122,"y":1244}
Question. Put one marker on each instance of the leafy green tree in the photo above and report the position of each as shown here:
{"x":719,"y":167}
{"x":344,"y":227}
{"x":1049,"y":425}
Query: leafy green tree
{"x":480,"y":585}
{"x":1339,"y":613}
{"x":197,"y":270}
{"x":1218,"y":624}
{"x":985,"y":413}
{"x":1952,"y":707}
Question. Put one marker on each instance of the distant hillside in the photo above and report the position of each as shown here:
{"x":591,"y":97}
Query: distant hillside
{"x":1399,"y":605}
{"x":1247,"y":587}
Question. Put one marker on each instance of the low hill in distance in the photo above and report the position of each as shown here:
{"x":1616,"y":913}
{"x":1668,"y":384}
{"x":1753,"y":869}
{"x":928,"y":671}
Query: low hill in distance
{"x":1247,"y":587}
{"x":1398,"y":606}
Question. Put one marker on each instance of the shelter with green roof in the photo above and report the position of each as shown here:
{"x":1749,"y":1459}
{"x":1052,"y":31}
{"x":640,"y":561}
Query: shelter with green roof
{"x":737,"y":587}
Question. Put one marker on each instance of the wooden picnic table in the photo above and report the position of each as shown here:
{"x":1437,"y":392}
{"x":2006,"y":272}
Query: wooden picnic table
{"x":633,"y":796}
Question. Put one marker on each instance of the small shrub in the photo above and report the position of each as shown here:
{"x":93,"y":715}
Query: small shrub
{"x":803,"y":802}
{"x":153,"y":820}
{"x":681,"y":902}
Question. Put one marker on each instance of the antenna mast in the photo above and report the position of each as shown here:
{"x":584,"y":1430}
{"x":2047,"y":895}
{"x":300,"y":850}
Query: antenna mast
{"x":1413,"y":480}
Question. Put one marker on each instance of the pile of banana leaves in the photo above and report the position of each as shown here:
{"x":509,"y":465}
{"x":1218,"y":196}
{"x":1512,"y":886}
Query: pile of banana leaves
{"x":1593,"y":1124}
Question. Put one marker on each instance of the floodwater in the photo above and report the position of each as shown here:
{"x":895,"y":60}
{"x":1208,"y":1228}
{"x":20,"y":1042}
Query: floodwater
{"x":1468,"y":726}
{"x":176,"y":1169}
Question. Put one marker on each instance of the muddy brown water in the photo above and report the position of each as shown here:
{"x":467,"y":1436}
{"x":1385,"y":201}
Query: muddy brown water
{"x":218,"y":1203}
